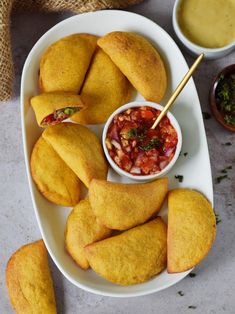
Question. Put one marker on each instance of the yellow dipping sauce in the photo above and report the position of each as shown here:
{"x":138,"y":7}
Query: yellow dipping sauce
{"x":208,"y":23}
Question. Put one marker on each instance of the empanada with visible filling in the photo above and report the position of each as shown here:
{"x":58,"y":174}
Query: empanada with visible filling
{"x":54,"y":107}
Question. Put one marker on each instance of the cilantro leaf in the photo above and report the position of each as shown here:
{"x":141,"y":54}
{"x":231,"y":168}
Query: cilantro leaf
{"x":180,"y":178}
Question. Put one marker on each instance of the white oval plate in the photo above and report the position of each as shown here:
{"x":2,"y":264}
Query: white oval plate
{"x":195,"y":167}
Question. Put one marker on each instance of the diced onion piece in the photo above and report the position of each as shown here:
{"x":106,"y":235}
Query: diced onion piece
{"x":121,"y":118}
{"x":163,"y":164}
{"x":117,"y":160}
{"x":134,"y":143}
{"x":169,"y":151}
{"x":135,"y":170}
{"x":116,"y":144}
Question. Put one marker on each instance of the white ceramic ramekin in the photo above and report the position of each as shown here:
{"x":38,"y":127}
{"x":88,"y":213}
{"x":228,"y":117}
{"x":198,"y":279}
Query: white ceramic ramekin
{"x":210,"y":53}
{"x":174,"y":123}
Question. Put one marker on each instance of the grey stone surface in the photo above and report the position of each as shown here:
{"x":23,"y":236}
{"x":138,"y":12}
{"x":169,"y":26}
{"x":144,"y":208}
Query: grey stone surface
{"x":212,"y":290}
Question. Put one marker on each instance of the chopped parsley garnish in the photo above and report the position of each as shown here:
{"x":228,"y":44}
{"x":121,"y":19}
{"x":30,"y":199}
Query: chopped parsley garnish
{"x":192,"y":275}
{"x":206,"y":115}
{"x":225,"y":169}
{"x":142,"y":136}
{"x":180,"y":293}
{"x":218,"y":220}
{"x":220,"y":178}
{"x":180,"y":178}
{"x":221,"y":77}
{"x":154,"y":142}
{"x":229,"y":119}
{"x":225,"y":96}
{"x":132,"y":133}
{"x":192,"y":307}
{"x":185,"y":154}
{"x":223,"y":93}
{"x":137,"y":132}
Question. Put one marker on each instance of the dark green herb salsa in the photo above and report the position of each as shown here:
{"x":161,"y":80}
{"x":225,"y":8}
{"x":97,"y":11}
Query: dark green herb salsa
{"x":225,"y":98}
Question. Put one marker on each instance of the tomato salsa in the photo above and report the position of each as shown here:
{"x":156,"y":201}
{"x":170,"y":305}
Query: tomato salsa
{"x":135,"y":147}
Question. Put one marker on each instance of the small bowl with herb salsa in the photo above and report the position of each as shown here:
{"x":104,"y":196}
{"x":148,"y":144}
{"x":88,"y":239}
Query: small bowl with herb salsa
{"x":135,"y":150}
{"x":222,"y":97}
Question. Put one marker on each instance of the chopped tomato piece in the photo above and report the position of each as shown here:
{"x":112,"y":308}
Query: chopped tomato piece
{"x":147,"y":114}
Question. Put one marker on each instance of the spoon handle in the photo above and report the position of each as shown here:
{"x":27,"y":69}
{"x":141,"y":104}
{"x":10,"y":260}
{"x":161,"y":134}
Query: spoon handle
{"x":178,"y":90}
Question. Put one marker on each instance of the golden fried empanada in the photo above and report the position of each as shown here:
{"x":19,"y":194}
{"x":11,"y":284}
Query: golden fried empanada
{"x":191,"y":229}
{"x":54,"y":179}
{"x":139,"y":61}
{"x":64,"y":64}
{"x":122,"y":206}
{"x":29,"y":281}
{"x":132,"y":257}
{"x":105,"y":89}
{"x":80,"y":148}
{"x":54,"y":107}
{"x":83,"y":228}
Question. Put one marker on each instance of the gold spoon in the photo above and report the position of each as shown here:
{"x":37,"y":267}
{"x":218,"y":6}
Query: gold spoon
{"x":178,"y":90}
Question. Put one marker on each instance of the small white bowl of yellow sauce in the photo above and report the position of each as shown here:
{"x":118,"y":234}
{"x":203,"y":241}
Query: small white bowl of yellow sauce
{"x":205,"y":26}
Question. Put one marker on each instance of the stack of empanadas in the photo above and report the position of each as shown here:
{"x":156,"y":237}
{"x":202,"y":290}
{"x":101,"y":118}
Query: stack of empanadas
{"x":65,"y":154}
{"x":146,"y":246}
{"x":103,"y":75}
{"x":133,"y":256}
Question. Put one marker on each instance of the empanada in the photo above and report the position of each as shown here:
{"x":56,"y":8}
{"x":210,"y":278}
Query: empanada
{"x":191,"y":229}
{"x":83,"y":228}
{"x":132,"y":257}
{"x":54,"y":107}
{"x":53,"y":178}
{"x":29,"y":281}
{"x":105,"y":89}
{"x":80,"y":148}
{"x":64,"y":64}
{"x":139,"y":61}
{"x":123,"y":206}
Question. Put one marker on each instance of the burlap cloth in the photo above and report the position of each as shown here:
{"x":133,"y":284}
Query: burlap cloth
{"x":6,"y":7}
